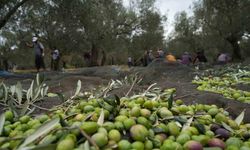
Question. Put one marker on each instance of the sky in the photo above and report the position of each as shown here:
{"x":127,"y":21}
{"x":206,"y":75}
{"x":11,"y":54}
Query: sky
{"x":169,"y":8}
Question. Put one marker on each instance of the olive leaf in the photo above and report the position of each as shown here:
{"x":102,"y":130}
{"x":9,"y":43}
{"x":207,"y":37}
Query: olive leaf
{"x":40,"y":147}
{"x":30,"y":111}
{"x":88,"y":116}
{"x":63,"y":122}
{"x":24,"y":108}
{"x":105,"y":105}
{"x":2,"y":120}
{"x":5,"y":92}
{"x":240,"y":118}
{"x":14,"y":96}
{"x":101,"y":118}
{"x":170,"y":100}
{"x":200,"y":127}
{"x":78,"y":88}
{"x":88,"y":138}
{"x":227,"y":127}
{"x":12,"y":107}
{"x":158,"y":130}
{"x":28,"y":94}
{"x":178,"y":124}
{"x":44,"y":129}
{"x":19,"y":92}
{"x":156,"y":119}
{"x":37,"y":93}
{"x":12,"y":90}
{"x":86,"y":146}
{"x":52,"y":94}
{"x":187,"y":124}
{"x":135,"y":96}
{"x":114,"y":146}
{"x":37,"y":79}
{"x":31,"y":90}
{"x":117,"y":98}
{"x":180,"y":119}
{"x":235,"y":77}
{"x":45,"y":91}
{"x":110,"y":101}
{"x":42,"y":92}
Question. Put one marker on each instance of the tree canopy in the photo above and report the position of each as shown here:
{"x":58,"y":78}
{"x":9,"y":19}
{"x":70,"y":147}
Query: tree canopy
{"x":217,"y":26}
{"x":101,"y":27}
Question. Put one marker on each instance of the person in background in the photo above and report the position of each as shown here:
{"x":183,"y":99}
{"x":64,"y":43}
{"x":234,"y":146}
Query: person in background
{"x":87,"y":58}
{"x":222,"y":58}
{"x":160,"y":53}
{"x":200,"y":56}
{"x":170,"y":58}
{"x":150,"y":56}
{"x":39,"y":53}
{"x":130,"y":63}
{"x":14,"y":67}
{"x":186,"y":58}
{"x":55,"y":59}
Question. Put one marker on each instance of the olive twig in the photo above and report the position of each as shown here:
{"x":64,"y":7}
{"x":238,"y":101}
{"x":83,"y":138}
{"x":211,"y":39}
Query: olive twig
{"x":89,"y":139}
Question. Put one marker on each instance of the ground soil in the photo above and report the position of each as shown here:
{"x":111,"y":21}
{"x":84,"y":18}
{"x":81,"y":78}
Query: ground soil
{"x":164,"y":74}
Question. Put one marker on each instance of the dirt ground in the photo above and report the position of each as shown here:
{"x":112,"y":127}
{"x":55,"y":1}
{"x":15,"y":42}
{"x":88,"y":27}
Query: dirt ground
{"x":165,"y":75}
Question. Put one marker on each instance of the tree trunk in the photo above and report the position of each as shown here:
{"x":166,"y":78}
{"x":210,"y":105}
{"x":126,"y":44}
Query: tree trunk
{"x":236,"y":47}
{"x":94,"y":55}
{"x":103,"y":58}
{"x":236,"y":51}
{"x":5,"y":19}
{"x":6,"y":64}
{"x":112,"y":60}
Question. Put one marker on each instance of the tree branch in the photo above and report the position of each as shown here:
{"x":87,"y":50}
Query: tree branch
{"x":5,"y":19}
